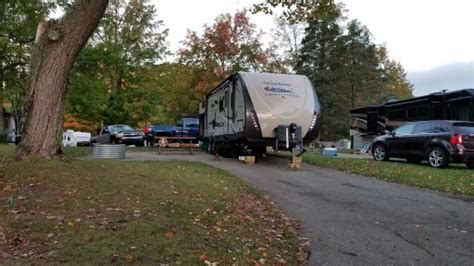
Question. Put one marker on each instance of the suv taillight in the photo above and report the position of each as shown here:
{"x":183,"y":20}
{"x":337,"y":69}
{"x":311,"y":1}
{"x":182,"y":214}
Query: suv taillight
{"x":456,"y":139}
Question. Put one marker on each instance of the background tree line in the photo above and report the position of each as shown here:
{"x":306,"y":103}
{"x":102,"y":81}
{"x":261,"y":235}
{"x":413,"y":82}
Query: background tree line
{"x":347,"y":68}
{"x":122,"y":75}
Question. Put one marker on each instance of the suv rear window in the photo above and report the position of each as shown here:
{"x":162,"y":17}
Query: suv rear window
{"x":465,"y":128}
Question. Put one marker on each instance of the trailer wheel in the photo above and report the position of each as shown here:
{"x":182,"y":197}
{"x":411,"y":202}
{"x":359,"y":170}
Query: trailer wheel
{"x":238,"y":151}
{"x":259,"y":151}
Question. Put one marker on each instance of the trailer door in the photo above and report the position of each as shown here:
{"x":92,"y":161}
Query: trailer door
{"x":218,"y":111}
{"x":212,"y":109}
{"x":227,"y":111}
{"x":237,"y":108}
{"x":372,"y":119}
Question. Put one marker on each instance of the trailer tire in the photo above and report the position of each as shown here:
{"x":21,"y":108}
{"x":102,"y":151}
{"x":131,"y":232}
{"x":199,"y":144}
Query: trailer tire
{"x":229,"y":152}
{"x":259,"y":151}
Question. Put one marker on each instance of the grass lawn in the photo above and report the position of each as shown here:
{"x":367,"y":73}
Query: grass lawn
{"x":84,"y":211}
{"x":456,"y":179}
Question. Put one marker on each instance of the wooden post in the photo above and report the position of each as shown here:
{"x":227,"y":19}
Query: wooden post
{"x":296,"y":161}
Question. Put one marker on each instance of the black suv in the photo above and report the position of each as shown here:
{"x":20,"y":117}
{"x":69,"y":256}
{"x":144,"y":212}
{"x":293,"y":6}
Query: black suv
{"x":439,"y":142}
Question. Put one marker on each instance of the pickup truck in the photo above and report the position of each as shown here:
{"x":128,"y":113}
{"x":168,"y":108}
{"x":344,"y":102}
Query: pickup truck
{"x":189,"y":127}
{"x":119,"y":134}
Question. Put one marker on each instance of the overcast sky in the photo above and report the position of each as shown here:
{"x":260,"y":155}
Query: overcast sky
{"x":433,"y":39}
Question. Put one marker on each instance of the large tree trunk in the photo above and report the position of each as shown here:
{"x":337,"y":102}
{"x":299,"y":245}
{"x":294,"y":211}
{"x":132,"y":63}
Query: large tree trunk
{"x":55,"y":49}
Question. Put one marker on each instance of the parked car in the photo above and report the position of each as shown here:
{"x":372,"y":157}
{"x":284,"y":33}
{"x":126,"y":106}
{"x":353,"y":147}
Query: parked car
{"x":439,"y":142}
{"x":119,"y":134}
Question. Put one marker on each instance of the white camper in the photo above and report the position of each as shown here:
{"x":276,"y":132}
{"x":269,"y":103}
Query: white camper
{"x":72,"y":138}
{"x":11,"y":130}
{"x":256,"y":110}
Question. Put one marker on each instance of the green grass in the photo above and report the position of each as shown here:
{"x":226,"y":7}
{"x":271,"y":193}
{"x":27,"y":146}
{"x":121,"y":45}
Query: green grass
{"x":342,"y":150}
{"x":84,"y":211}
{"x":456,"y":179}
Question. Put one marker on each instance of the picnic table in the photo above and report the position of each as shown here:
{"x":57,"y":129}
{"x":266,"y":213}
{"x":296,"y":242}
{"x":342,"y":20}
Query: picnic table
{"x":175,"y":142}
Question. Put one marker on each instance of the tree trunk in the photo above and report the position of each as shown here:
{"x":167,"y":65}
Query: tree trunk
{"x":56,"y":47}
{"x":352,"y":96}
{"x":2,"y":115}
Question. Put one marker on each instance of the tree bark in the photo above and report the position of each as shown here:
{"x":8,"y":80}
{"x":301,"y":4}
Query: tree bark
{"x":2,"y":115}
{"x":56,"y":47}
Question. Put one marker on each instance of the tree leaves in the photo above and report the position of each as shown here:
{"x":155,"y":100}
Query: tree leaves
{"x":347,"y":68}
{"x":110,"y":81}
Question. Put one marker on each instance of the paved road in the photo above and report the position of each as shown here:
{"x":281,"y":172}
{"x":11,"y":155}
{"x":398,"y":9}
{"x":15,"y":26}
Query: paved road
{"x":357,"y":220}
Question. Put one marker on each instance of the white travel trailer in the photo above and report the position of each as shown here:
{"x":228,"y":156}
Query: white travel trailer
{"x":72,"y":138}
{"x":256,"y":110}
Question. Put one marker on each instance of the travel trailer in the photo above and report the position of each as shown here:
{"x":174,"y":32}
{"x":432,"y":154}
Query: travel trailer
{"x":256,"y":110}
{"x":73,"y":138}
{"x":453,"y":105}
{"x":368,"y":122}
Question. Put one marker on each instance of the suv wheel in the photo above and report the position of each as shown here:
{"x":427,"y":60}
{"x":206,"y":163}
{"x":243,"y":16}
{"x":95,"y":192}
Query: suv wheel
{"x":437,"y":158}
{"x":380,"y":153}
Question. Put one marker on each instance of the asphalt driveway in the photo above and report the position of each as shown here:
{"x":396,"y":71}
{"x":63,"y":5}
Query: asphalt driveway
{"x":358,"y":220}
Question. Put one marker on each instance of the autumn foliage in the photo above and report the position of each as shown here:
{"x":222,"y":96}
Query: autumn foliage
{"x":231,"y":44}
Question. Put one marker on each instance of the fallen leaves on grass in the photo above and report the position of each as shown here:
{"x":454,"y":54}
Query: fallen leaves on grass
{"x":203,"y":257}
{"x":170,"y":233}
{"x":213,"y":212}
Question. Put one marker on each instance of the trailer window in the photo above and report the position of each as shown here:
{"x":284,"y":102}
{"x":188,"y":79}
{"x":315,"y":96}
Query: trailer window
{"x":232,"y":100}
{"x":438,"y":111}
{"x":396,"y":115}
{"x":418,"y":112}
{"x":226,"y":97}
{"x":459,"y":111}
{"x":221,"y":105}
